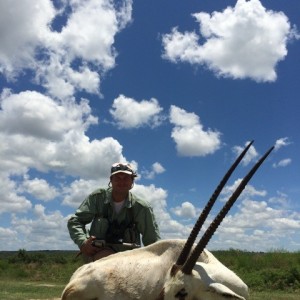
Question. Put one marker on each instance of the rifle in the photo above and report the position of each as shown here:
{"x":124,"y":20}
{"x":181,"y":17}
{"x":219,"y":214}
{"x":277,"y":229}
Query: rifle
{"x":103,"y":243}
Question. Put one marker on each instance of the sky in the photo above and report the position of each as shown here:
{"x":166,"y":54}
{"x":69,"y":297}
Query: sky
{"x":176,"y":88}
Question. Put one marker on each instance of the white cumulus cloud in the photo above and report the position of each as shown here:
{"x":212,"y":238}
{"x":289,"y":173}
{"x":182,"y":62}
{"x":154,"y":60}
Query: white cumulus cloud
{"x":129,"y":113}
{"x":283,"y":142}
{"x":245,"y":41}
{"x":283,"y":163}
{"x":185,"y":210}
{"x":67,"y":59}
{"x":189,"y":135}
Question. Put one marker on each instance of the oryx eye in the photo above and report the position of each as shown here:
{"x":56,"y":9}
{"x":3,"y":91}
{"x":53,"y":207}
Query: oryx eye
{"x":181,"y":294}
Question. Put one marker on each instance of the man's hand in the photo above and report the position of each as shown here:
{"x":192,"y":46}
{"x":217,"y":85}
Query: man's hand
{"x":87,"y":248}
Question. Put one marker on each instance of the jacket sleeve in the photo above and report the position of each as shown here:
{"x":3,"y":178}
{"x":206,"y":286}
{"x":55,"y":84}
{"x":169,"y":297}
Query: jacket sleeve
{"x":147,"y":226}
{"x":83,"y":216}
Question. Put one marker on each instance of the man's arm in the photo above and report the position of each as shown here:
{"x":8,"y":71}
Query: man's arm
{"x":77,"y":223}
{"x":147,"y":226}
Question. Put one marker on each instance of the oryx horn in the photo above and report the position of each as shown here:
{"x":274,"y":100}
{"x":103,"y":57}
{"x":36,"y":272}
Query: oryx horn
{"x":191,"y":261}
{"x":198,"y":225}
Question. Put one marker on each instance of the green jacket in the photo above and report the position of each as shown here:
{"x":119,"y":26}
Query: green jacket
{"x":98,"y":210}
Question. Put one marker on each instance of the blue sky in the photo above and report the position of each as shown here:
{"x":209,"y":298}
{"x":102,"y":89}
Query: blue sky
{"x":177,"y":88}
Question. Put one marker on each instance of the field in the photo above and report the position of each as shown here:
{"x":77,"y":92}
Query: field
{"x":43,"y":274}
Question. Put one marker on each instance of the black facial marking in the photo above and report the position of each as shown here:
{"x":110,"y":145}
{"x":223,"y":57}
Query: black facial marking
{"x":181,"y":294}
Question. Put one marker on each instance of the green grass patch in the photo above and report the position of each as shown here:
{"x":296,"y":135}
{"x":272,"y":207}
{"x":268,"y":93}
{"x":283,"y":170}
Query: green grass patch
{"x":279,"y":271}
{"x":275,"y":295}
{"x":21,"y":290}
{"x":35,"y":274}
{"x":45,"y":266}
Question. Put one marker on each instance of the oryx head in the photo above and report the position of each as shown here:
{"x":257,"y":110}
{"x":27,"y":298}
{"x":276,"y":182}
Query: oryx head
{"x":192,"y":280}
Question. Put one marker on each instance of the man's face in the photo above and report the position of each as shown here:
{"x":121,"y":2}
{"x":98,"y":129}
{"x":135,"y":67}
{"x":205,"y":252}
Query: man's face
{"x":121,"y":182}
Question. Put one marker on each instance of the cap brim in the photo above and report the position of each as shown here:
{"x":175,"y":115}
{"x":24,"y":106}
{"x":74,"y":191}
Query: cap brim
{"x":123,"y":171}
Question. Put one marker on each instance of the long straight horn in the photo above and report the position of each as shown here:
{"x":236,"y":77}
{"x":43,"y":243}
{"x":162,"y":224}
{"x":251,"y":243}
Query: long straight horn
{"x":198,"y":225}
{"x":190,"y":263}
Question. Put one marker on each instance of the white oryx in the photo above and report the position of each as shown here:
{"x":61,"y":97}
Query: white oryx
{"x":168,"y":269}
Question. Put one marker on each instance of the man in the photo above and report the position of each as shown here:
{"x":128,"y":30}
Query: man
{"x":116,"y":216}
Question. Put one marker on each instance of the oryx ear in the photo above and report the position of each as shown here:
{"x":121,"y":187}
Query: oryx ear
{"x":198,"y":225}
{"x":223,"y":291}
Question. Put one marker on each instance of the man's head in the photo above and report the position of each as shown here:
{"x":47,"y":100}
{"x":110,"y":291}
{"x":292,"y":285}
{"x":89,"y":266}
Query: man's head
{"x":122,"y":177}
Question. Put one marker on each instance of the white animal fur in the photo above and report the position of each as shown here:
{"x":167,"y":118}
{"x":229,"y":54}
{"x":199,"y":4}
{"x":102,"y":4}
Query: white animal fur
{"x":143,"y":273}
